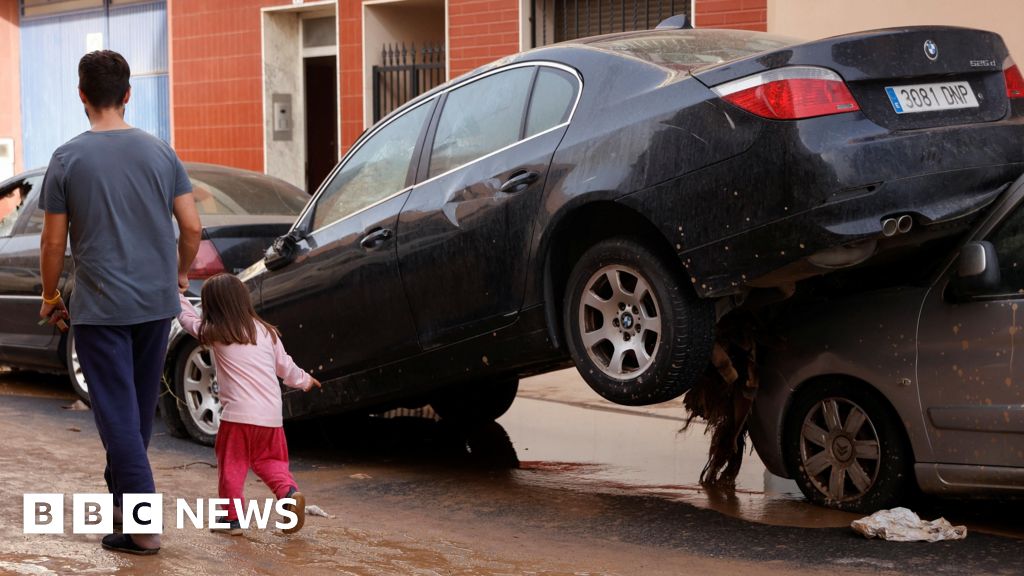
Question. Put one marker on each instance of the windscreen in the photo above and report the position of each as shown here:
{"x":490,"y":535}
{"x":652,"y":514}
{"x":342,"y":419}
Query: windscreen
{"x":694,"y":49}
{"x":225,"y":192}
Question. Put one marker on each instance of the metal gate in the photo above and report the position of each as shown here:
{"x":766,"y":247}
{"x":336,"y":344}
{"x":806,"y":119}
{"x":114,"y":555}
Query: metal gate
{"x":51,"y":46}
{"x":402,"y":77}
{"x":561,"y":20}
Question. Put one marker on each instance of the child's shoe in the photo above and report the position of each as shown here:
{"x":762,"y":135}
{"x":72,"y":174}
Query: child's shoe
{"x":234,"y":529}
{"x":299,"y":509}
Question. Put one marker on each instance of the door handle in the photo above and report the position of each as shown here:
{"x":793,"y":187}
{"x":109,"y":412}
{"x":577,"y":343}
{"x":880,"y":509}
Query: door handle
{"x":375,"y":238}
{"x":519,"y":181}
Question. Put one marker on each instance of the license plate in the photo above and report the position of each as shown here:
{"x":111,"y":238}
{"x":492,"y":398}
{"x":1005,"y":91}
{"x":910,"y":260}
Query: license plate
{"x":931,"y":97}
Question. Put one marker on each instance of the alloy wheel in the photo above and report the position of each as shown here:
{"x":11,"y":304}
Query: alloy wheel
{"x":839,"y":449}
{"x":76,"y":371}
{"x":619,"y":321}
{"x":201,"y":393}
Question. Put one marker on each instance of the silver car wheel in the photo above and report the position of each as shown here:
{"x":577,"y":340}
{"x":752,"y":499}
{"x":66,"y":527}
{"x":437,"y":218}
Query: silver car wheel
{"x":201,"y":394}
{"x":619,"y":321}
{"x":839,"y":449}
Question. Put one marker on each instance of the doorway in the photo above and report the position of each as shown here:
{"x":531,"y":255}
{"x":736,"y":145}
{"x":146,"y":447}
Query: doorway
{"x":320,"y":89}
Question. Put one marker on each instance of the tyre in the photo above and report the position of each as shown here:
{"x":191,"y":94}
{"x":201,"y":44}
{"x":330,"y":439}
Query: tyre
{"x":846,"y":447}
{"x":476,"y":402}
{"x":167,"y":404}
{"x":194,"y":382}
{"x":635,"y":328}
{"x":74,"y":368}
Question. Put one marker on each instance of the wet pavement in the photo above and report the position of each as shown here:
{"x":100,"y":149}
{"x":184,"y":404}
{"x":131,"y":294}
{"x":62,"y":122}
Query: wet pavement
{"x":565,"y":483}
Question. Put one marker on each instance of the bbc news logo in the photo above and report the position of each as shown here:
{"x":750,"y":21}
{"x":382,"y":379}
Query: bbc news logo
{"x":144,"y":513}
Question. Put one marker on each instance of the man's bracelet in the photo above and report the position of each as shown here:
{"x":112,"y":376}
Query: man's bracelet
{"x":53,"y":300}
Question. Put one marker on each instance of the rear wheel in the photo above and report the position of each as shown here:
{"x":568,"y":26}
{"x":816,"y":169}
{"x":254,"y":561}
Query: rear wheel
{"x":195,"y":384}
{"x":479,"y":401}
{"x":638,"y":335}
{"x":846,"y":448}
{"x":74,"y":368}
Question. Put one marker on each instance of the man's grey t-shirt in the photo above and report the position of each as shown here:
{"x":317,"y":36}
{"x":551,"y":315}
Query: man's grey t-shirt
{"x":118,"y":189}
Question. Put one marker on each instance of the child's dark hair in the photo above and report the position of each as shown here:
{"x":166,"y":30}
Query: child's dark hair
{"x":228,"y":315}
{"x":103,"y":75}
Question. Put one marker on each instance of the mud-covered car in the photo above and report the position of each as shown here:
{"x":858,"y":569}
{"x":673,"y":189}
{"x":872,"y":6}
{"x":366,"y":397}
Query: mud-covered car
{"x":595,"y":200}
{"x":241,"y":212}
{"x":866,"y":395}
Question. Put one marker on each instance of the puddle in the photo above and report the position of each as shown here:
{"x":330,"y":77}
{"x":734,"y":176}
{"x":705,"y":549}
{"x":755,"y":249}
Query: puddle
{"x":635,"y":453}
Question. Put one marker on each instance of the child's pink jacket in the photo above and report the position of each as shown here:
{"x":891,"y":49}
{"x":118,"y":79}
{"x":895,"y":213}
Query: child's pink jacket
{"x":247,"y":374}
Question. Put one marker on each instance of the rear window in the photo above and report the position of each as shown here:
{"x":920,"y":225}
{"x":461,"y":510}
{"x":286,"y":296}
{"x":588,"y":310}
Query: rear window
{"x":240,"y":193}
{"x":693,"y":49}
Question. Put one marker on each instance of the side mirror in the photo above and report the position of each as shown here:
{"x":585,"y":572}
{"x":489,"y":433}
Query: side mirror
{"x":282,"y":251}
{"x":977,"y":270}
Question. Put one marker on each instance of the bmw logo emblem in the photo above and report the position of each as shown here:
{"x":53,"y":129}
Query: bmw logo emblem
{"x":931,"y":50}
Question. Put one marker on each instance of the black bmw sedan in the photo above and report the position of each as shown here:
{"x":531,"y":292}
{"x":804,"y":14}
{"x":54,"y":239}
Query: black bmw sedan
{"x":599,"y":201}
{"x":241,"y":212}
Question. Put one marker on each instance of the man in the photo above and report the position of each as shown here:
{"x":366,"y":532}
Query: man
{"x":116,"y":188}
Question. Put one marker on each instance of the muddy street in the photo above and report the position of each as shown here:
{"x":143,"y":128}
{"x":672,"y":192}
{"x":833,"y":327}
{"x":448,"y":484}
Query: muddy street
{"x":565,"y":483}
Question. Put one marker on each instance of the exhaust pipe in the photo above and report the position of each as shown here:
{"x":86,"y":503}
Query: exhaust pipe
{"x":889,"y":227}
{"x":904,"y":224}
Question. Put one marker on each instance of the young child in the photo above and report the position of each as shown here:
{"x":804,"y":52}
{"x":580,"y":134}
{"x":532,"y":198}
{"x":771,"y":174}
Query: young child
{"x":249,"y":357}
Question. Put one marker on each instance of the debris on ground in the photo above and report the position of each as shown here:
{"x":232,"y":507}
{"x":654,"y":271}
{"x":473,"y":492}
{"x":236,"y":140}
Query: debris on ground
{"x":360,"y":476}
{"x":902,"y":525}
{"x":723,"y":397}
{"x":315,"y":510}
{"x":74,"y":429}
{"x":77,"y":406}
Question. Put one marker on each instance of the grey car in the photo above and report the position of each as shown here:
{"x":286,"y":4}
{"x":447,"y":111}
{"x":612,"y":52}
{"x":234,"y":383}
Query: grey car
{"x":865,"y":396}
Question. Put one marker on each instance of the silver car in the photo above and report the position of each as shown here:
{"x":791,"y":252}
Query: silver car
{"x":868,"y":394}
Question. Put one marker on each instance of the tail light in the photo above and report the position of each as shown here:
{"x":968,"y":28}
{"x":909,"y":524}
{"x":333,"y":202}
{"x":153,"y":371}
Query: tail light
{"x":1014,"y":79}
{"x":790,"y":93}
{"x":207,"y":262}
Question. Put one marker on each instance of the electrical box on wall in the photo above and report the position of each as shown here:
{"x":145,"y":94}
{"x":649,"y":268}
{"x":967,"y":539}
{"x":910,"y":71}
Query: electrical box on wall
{"x":281,"y":119}
{"x":6,"y":158}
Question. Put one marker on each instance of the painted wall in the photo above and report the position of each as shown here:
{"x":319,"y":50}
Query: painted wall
{"x":741,"y":14}
{"x":821,"y":18}
{"x":216,"y":81}
{"x":10,"y":85}
{"x":480,"y":31}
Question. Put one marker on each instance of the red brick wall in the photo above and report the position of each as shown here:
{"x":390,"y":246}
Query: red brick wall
{"x":216,"y":80}
{"x":350,"y":51}
{"x":742,"y":14}
{"x":480,"y":31}
{"x":10,"y":90}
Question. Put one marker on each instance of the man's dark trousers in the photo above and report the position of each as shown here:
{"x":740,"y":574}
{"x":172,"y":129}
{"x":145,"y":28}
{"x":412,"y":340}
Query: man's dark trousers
{"x":122,"y":366}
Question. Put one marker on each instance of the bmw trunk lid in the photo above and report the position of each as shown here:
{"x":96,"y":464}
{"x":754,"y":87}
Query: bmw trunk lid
{"x":901,"y":78}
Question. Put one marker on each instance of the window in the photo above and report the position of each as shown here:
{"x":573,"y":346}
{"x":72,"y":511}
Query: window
{"x":377,"y":170}
{"x":17,"y":202}
{"x":479,"y":118}
{"x":1008,"y":240}
{"x":552,"y":100}
{"x":226,"y":192}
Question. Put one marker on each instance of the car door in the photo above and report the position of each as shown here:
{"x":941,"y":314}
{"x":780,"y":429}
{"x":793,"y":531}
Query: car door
{"x":464,"y":235}
{"x":971,"y":376}
{"x":339,"y":304}
{"x":22,"y":340}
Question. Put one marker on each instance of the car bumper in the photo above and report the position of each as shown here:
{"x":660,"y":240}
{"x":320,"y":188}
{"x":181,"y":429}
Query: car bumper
{"x":801,"y":188}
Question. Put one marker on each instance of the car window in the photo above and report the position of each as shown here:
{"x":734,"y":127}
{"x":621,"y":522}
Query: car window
{"x":551,"y":103}
{"x":1008,"y":239}
{"x":479,"y":118}
{"x":17,"y":203}
{"x":693,"y":49}
{"x":221,"y":192}
{"x":377,"y":170}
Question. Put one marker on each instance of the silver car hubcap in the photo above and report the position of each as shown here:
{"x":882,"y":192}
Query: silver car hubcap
{"x":201,"y":392}
{"x":839,"y":449}
{"x":620,"y":322}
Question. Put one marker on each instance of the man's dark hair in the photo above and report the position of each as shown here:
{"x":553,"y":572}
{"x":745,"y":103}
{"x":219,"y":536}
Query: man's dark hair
{"x":103,"y":77}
